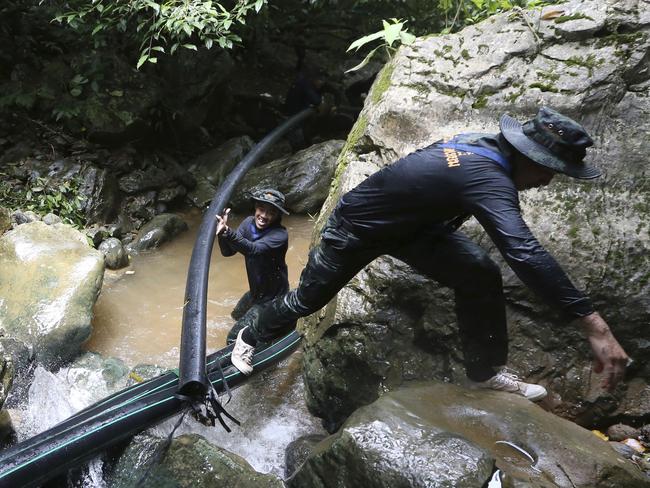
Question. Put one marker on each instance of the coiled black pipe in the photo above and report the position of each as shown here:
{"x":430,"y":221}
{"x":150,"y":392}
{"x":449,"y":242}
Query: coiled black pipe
{"x":192,"y":373}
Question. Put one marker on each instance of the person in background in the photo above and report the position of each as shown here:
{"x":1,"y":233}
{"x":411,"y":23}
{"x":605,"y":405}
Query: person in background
{"x":307,"y":91}
{"x":412,"y":210}
{"x":263,"y":241}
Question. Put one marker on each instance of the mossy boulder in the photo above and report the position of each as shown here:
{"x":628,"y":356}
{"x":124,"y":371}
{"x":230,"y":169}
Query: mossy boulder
{"x":189,"y":461}
{"x":49,"y":283}
{"x":381,"y":331}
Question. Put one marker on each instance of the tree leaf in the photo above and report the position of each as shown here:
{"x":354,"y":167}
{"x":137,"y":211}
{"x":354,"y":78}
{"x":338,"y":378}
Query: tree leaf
{"x":391,"y":34}
{"x":141,"y":61}
{"x":365,"y":40}
{"x":190,"y":46}
{"x":407,"y":38}
{"x":364,"y":62}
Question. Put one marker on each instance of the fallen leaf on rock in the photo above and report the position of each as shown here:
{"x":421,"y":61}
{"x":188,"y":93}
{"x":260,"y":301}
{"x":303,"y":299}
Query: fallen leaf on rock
{"x":552,"y":14}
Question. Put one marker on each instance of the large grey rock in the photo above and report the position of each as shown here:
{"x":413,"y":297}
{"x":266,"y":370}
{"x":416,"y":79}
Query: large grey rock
{"x":189,"y":461}
{"x":203,"y":193}
{"x":115,"y":256}
{"x":141,"y":180}
{"x":101,"y":194}
{"x":217,"y":163}
{"x":303,"y":177}
{"x":598,"y":231}
{"x":436,"y":434}
{"x":49,"y":283}
{"x":160,"y":229}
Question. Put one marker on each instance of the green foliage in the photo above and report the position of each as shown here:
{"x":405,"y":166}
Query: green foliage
{"x":159,"y":26}
{"x":43,"y":196}
{"x":389,"y":36}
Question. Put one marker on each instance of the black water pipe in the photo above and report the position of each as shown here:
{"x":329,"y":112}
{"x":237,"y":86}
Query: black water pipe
{"x":36,"y":460}
{"x":192,"y":374}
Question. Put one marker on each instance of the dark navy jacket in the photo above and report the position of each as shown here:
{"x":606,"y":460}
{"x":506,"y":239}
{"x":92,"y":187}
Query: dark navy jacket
{"x":302,"y":94}
{"x":434,"y":189}
{"x":264,"y":252}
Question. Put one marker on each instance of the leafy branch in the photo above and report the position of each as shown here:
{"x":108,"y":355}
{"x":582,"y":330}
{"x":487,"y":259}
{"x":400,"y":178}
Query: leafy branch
{"x":160,"y":25}
{"x":392,"y":32}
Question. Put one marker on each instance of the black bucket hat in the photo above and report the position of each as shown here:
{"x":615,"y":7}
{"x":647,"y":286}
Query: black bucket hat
{"x":272,"y":197}
{"x":551,"y":140}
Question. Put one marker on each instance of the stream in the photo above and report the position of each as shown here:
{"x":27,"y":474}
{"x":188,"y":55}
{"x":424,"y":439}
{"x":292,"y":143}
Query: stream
{"x":137,"y":320}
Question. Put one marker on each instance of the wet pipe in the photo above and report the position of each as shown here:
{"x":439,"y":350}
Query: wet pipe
{"x":193,"y":379}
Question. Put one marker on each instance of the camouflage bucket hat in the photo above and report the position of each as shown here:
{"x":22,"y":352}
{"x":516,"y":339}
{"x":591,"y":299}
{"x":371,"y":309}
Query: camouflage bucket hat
{"x":272,"y":197}
{"x":551,"y":140}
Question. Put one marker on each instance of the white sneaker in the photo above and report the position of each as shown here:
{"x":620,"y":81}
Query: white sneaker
{"x":504,"y":381}
{"x":242,"y":355}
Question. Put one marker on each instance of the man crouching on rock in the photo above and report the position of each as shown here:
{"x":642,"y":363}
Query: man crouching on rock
{"x":411,"y":210}
{"x":263,"y":241}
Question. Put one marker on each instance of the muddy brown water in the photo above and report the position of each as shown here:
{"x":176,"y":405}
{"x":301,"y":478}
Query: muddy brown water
{"x":138,"y":314}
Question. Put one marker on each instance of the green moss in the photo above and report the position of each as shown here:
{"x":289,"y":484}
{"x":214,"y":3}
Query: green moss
{"x":357,"y":132}
{"x":589,"y":62}
{"x":465,"y":54}
{"x":548,"y":76}
{"x":382,"y":83}
{"x":545,"y":87}
{"x":619,"y":39}
{"x":515,"y":95}
{"x":480,"y":102}
{"x":566,"y":18}
{"x":452,"y":92}
{"x":573,"y":232}
{"x":421,"y":88}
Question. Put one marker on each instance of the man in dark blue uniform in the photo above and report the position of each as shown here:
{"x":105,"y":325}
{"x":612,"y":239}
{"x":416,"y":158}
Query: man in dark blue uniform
{"x":412,"y":209}
{"x":263,"y":241}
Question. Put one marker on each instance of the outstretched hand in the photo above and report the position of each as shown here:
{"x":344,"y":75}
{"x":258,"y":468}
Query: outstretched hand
{"x":222,"y":222}
{"x":609,"y":356}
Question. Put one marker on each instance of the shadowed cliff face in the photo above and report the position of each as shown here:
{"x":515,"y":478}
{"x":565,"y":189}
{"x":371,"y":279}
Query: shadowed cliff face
{"x":588,"y":60}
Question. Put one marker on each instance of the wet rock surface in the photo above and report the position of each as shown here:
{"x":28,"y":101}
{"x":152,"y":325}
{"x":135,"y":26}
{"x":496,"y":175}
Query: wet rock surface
{"x":436,"y":434}
{"x":298,"y":451}
{"x":115,"y":256}
{"x":189,"y":461}
{"x":303,"y":177}
{"x":49,"y":284}
{"x":156,"y":232}
{"x":598,"y":231}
